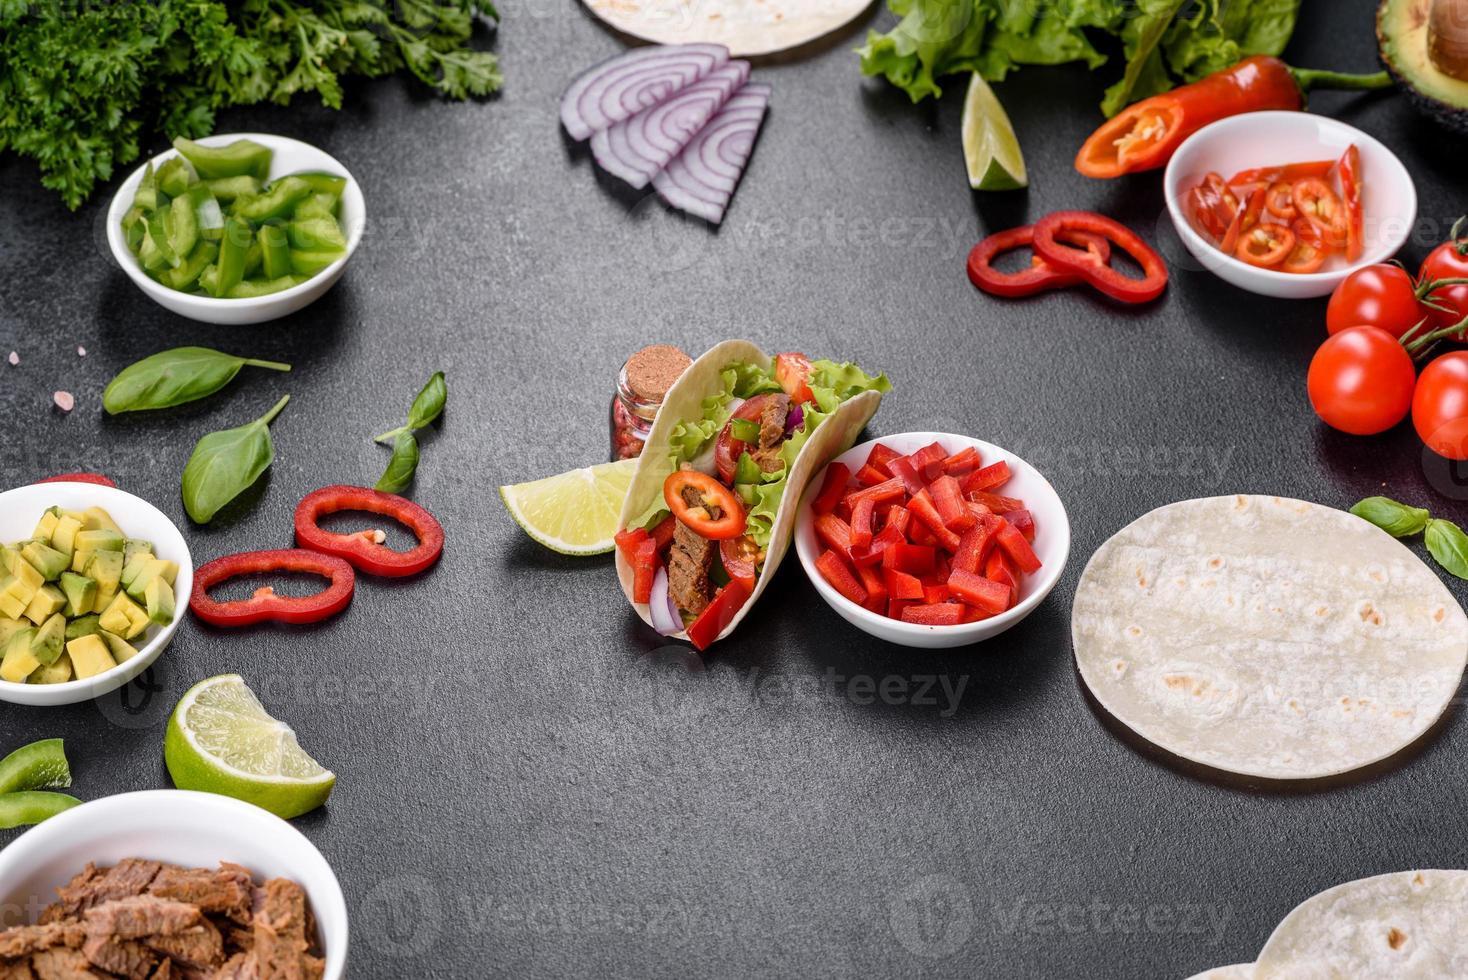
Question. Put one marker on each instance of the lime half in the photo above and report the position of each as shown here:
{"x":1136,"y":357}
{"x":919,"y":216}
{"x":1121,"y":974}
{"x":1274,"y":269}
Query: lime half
{"x":575,"y":513}
{"x":221,"y":740}
{"x":989,"y":146}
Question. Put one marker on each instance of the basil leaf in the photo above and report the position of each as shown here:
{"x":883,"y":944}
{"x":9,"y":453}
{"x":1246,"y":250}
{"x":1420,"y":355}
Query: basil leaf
{"x":402,"y":466}
{"x":429,"y":403}
{"x":1449,"y":545}
{"x":225,"y":464}
{"x":1398,"y":520}
{"x":173,"y":377}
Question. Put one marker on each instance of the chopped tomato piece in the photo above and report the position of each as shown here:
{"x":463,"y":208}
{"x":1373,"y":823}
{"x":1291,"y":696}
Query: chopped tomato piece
{"x":934,"y":614}
{"x":628,"y":540}
{"x":993,"y":475}
{"x":980,"y":592}
{"x":832,"y":487}
{"x":792,"y":371}
{"x":1017,"y":548}
{"x":833,"y":569}
{"x":834,"y":533}
{"x":915,"y":559}
{"x":712,"y":622}
{"x":645,"y":565}
{"x":663,"y":532}
{"x":741,"y":557}
{"x":861,"y":523}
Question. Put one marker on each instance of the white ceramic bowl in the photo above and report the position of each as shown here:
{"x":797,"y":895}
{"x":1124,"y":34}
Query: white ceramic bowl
{"x":1262,"y":139}
{"x":290,"y":156}
{"x":1052,"y":545}
{"x":195,"y":830}
{"x":21,"y":508}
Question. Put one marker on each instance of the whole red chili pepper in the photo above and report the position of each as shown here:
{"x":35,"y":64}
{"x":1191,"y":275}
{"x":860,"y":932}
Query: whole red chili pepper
{"x":1144,"y":136}
{"x":265,"y":605}
{"x":96,"y":478}
{"x":365,"y":549}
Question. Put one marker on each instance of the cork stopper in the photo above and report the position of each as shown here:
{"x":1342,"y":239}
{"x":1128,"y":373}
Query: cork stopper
{"x":651,"y":371}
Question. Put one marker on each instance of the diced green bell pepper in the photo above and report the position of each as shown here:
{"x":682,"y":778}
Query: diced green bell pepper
{"x":147,"y":194}
{"x":748,"y":471}
{"x":182,"y":226}
{"x":158,"y":236}
{"x":324,"y":183}
{"x":231,"y":267}
{"x":175,"y":176}
{"x":308,"y":263}
{"x":275,"y":250}
{"x":320,"y":234}
{"x":134,"y":228}
{"x":229,"y":189}
{"x":237,"y":159}
{"x":277,"y":200}
{"x":263,"y":287}
{"x":207,"y":213}
{"x":199,"y":259}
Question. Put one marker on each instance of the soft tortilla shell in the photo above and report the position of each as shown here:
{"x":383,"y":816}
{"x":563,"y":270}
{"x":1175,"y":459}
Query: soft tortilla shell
{"x":1408,"y":924}
{"x":685,"y":400}
{"x":745,"y":27}
{"x":1268,"y":637}
{"x":1238,"y":971}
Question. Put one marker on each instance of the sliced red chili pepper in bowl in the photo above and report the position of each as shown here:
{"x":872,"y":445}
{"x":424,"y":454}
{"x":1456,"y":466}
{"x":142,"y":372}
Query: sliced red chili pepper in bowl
{"x":94,"y":478}
{"x":1350,"y":173}
{"x":1050,"y":230}
{"x":1280,"y":202}
{"x":1318,"y":204}
{"x":1266,"y":246}
{"x":365,"y":550}
{"x":265,"y":605}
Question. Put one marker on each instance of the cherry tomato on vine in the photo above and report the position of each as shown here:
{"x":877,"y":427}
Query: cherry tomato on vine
{"x":1361,"y":381}
{"x":1377,"y":296}
{"x":1440,"y":406}
{"x":1448,"y":261}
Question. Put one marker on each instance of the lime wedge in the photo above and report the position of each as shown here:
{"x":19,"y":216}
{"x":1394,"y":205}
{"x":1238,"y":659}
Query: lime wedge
{"x":574,"y":513}
{"x":989,"y":146}
{"x":221,"y":739}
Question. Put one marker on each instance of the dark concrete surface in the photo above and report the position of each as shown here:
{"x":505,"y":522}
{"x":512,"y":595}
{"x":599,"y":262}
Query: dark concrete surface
{"x":529,"y":785}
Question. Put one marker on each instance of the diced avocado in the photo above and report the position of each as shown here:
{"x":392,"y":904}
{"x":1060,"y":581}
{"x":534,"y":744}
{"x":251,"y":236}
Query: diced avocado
{"x":48,"y":601}
{"x":100,"y":519}
{"x":89,"y":656}
{"x":8,"y":628}
{"x":44,"y":559}
{"x":79,"y":559}
{"x":10,"y":606}
{"x":29,"y":576}
{"x":46,"y":644}
{"x":123,"y":617}
{"x":156,"y":568}
{"x":134,"y":567}
{"x":57,"y":673}
{"x":19,"y":662}
{"x":122,"y":651}
{"x":63,"y":538}
{"x":45,"y":527}
{"x":133,"y":549}
{"x":80,"y":592}
{"x":1418,"y":46}
{"x":82,"y":626}
{"x":105,"y":568}
{"x":100,"y":540}
{"x":8,"y":557}
{"x":159,"y":595}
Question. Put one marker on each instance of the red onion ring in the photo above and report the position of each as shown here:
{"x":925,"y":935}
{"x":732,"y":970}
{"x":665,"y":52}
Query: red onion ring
{"x":621,"y":87}
{"x":701,"y":181}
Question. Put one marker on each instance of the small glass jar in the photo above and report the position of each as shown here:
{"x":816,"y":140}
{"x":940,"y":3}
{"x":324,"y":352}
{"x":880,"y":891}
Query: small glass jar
{"x":642,"y":384}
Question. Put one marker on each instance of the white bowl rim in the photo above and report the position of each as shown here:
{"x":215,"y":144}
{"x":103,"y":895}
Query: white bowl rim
{"x":994,"y":624}
{"x":160,"y":639}
{"x":324,"y":890}
{"x":1185,"y":226}
{"x":129,"y":262}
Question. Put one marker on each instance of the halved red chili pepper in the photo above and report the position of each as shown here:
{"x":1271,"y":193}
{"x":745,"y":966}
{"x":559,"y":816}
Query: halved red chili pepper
{"x":1102,"y":277}
{"x":365,"y":549}
{"x":720,"y":612}
{"x":1040,"y":276}
{"x":94,"y":478}
{"x":1350,"y":171}
{"x":265,"y":605}
{"x":730,"y":522}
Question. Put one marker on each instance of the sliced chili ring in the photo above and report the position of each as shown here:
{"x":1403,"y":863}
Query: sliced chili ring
{"x":265,"y":605}
{"x":1318,"y":204}
{"x":1280,"y":202}
{"x":1103,"y":277}
{"x":1266,"y":246}
{"x":1304,"y":259}
{"x":1350,"y":172}
{"x":730,"y":522}
{"x":364,"y":549}
{"x":94,"y":478}
{"x":1040,"y":276}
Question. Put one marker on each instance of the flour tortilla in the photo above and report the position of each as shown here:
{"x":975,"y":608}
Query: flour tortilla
{"x":745,"y":27}
{"x":1267,"y":637}
{"x":685,"y":401}
{"x":1409,"y":924}
{"x":1239,"y":971}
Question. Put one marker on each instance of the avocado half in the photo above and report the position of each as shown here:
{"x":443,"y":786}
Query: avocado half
{"x":1402,"y":34}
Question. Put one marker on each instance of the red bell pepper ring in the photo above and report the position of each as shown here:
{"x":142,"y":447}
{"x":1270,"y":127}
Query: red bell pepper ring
{"x":94,"y":478}
{"x":1041,"y":275}
{"x":720,"y":612}
{"x":265,"y":605}
{"x":365,"y":549}
{"x":1050,"y":229}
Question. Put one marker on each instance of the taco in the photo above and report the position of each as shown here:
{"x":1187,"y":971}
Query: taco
{"x":712,"y":506}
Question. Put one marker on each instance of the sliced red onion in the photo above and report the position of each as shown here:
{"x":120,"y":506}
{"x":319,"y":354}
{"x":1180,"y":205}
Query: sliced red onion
{"x":665,"y":618}
{"x":638,"y":148}
{"x":701,"y":181}
{"x":795,"y":419}
{"x":623,"y":86}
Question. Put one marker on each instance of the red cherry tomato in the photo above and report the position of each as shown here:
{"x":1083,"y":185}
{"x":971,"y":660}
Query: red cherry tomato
{"x":741,"y":557}
{"x":1448,"y":261}
{"x":1376,"y":296}
{"x":1440,"y":406}
{"x":728,"y":449}
{"x":1361,"y":381}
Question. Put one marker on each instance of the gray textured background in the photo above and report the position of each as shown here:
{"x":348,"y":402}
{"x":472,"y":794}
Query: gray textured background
{"x":528,"y":786}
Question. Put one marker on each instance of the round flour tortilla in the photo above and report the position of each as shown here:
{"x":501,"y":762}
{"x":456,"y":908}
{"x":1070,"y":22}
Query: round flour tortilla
{"x":1267,"y":637}
{"x":1239,"y":971}
{"x":1409,"y":924}
{"x":745,"y":27}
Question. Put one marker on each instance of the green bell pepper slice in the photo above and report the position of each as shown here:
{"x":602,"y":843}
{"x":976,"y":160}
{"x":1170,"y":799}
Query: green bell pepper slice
{"x":182,"y":226}
{"x":29,"y":807}
{"x":263,"y":287}
{"x":158,"y":236}
{"x":321,"y":234}
{"x":175,"y":176}
{"x":134,"y":228}
{"x":228,"y":189}
{"x":147,"y":194}
{"x":324,"y":183}
{"x":238,"y":159}
{"x":231,"y":266}
{"x":199,"y":259}
{"x":306,"y":262}
{"x":275,"y":250}
{"x":39,"y":765}
{"x":277,"y":201}
{"x":207,"y":212}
